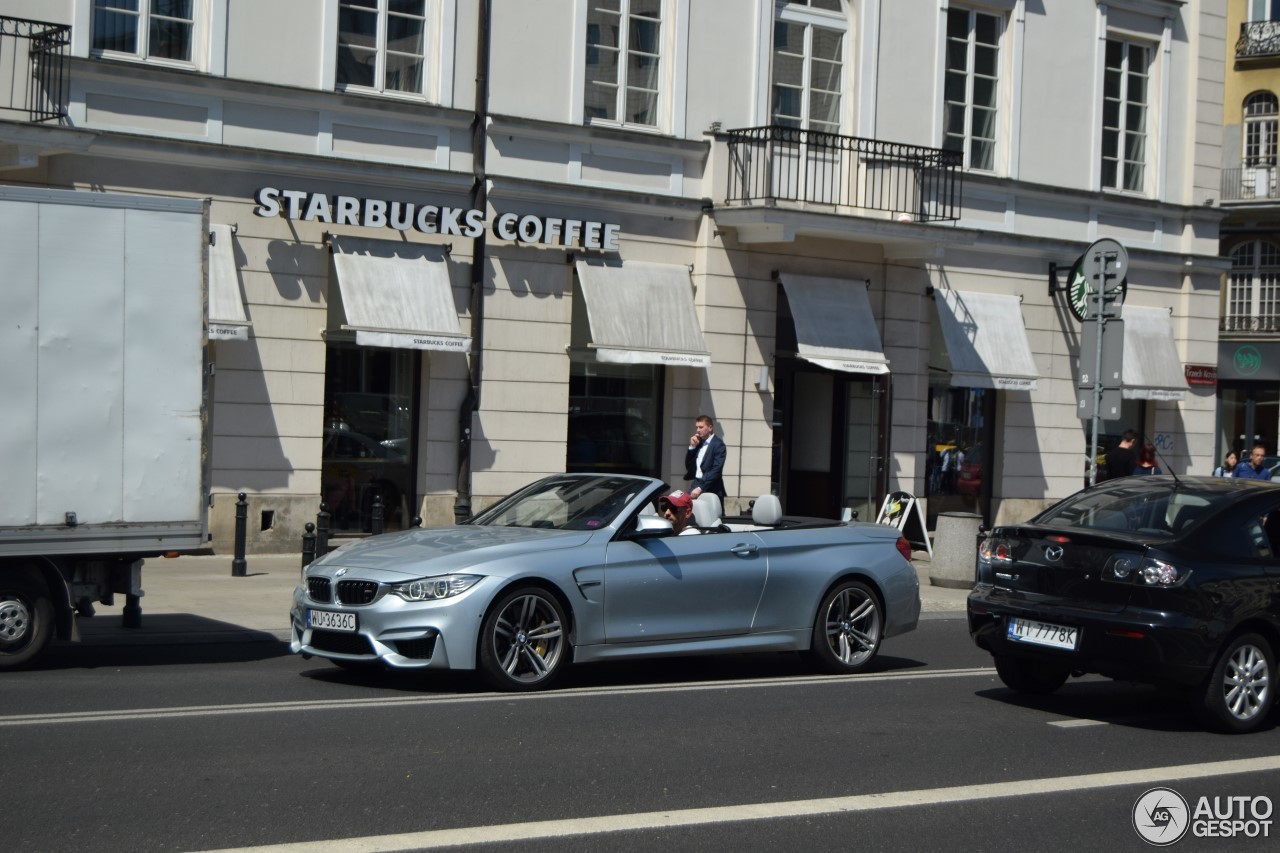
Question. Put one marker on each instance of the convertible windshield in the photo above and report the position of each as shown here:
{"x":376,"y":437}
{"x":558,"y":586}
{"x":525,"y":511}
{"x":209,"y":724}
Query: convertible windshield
{"x":565,"y":503}
{"x":1136,"y":505}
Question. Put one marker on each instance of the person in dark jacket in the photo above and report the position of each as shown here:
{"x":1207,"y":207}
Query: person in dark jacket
{"x":1121,"y":460}
{"x":704,"y":460}
{"x":1256,"y":468}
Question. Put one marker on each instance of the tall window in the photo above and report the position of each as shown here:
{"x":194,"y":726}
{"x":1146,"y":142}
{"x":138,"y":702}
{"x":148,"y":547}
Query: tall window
{"x":382,"y":45}
{"x":624,"y":61}
{"x":1125,"y":106}
{"x":1260,"y":114}
{"x":972,"y":83}
{"x":1253,"y":291}
{"x":808,"y":65}
{"x":1264,"y":10}
{"x":148,"y":29}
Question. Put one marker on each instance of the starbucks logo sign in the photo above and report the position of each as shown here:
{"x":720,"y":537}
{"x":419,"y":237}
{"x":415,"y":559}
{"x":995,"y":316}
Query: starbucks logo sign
{"x":1078,"y":290}
{"x":1248,"y":360}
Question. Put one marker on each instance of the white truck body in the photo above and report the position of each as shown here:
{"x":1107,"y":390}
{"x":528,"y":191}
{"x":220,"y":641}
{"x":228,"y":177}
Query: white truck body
{"x":103,"y":431}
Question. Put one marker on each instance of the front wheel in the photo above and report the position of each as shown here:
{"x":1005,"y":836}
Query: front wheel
{"x":848,"y":628}
{"x":1240,"y":691}
{"x":1031,"y":677}
{"x":26,"y":621}
{"x":524,"y":643}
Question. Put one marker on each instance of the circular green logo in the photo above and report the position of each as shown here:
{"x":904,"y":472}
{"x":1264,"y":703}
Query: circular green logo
{"x":1078,"y":290}
{"x":1248,"y":360}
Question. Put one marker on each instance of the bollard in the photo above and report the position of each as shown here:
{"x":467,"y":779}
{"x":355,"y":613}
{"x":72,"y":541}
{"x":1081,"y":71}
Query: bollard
{"x":375,"y":520}
{"x":238,"y":565}
{"x":322,"y":530}
{"x":308,"y":546}
{"x":417,"y":521}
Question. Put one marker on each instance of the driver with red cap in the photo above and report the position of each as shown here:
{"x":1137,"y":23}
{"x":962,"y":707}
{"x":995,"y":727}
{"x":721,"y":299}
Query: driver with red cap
{"x":677,"y":508}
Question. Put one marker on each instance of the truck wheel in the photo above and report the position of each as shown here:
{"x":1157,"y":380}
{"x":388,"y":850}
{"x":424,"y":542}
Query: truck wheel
{"x":26,"y":621}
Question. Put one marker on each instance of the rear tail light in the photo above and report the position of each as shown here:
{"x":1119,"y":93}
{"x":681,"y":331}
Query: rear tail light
{"x":995,"y":550}
{"x":904,"y":548}
{"x":1144,"y":571}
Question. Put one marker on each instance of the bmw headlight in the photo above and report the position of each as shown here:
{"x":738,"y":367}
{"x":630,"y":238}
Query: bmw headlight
{"x":432,"y":589}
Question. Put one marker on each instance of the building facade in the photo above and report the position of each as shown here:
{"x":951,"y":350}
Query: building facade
{"x":1249,"y":332}
{"x":460,"y":245}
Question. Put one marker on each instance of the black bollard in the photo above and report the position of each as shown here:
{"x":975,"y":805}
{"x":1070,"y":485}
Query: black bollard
{"x":417,"y":521}
{"x":375,"y":520}
{"x":238,"y":565}
{"x":308,"y":546}
{"x":322,"y":530}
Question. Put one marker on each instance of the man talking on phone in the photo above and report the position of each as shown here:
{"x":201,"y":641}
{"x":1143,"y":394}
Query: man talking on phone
{"x":704,"y":461}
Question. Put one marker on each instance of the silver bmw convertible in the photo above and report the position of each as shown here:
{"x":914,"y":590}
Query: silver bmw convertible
{"x":580,"y":567}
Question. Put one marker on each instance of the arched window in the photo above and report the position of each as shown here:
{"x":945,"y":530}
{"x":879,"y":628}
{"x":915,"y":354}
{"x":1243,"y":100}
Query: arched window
{"x":808,"y":83}
{"x":1261,"y":110}
{"x":1253,"y":290}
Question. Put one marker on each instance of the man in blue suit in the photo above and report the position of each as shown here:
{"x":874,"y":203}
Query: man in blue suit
{"x":704,"y":461}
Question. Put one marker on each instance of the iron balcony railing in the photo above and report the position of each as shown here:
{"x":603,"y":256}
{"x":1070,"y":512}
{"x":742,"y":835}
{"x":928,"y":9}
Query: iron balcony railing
{"x":773,"y":164}
{"x":1257,"y":39}
{"x":33,"y":68}
{"x":1250,"y":183}
{"x":1262,"y":324}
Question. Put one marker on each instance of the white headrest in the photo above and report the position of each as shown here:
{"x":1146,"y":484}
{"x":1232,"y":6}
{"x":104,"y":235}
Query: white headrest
{"x":767,"y":510}
{"x":707,"y":510}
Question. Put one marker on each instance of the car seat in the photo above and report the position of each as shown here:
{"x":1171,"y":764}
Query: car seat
{"x":707,"y":511}
{"x":767,"y":510}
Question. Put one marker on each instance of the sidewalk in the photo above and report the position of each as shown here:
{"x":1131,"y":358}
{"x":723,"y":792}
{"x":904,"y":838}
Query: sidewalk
{"x":194,"y":599}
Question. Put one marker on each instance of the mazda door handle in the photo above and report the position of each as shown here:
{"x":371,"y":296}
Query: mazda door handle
{"x":743,"y":550}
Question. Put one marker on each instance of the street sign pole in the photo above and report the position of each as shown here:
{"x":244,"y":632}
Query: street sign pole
{"x":1105,"y":265}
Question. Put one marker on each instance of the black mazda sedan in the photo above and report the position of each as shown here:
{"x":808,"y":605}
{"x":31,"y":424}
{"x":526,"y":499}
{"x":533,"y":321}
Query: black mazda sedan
{"x":1167,"y":580}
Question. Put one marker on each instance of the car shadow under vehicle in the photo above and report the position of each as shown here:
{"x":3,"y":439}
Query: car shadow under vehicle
{"x":1118,"y":703}
{"x":163,"y":639}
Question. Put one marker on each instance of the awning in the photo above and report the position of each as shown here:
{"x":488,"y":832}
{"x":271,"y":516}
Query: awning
{"x":396,"y":295}
{"x":227,"y":320}
{"x":834,"y":324}
{"x":1151,"y":369}
{"x":642,"y":313}
{"x":986,"y":340}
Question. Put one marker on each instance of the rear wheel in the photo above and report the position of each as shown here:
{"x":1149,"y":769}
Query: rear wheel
{"x":1241,"y":689}
{"x":848,"y":628}
{"x":1029,"y":676}
{"x":26,"y":620}
{"x":524,"y":643}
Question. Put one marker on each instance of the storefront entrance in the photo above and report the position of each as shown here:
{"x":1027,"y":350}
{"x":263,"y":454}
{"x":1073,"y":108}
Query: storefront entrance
{"x":958,"y":449}
{"x":368,"y":436}
{"x":829,"y":445}
{"x":1249,"y":413}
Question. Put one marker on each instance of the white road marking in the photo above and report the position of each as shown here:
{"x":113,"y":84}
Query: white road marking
{"x":14,"y":720}
{"x":518,"y":832}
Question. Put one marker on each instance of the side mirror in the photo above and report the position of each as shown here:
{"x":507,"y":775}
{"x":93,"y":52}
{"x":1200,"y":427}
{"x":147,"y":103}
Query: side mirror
{"x":650,"y":526}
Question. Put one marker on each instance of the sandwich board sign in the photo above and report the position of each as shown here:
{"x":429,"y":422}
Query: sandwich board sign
{"x":903,"y":511}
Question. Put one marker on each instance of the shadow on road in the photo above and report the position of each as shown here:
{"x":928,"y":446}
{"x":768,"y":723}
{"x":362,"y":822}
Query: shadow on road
{"x":163,"y":639}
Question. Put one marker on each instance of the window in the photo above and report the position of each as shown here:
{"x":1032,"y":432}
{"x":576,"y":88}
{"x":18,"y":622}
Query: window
{"x":624,"y":61}
{"x":1253,"y":289}
{"x":971,"y":88}
{"x":1126,"y":89}
{"x":1264,"y":10}
{"x":148,"y":29}
{"x":808,"y":66}
{"x":1260,"y":113}
{"x":382,"y":45}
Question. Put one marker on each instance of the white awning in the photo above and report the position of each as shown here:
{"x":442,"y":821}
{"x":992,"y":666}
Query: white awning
{"x":834,"y":324}
{"x":227,"y":320}
{"x":1151,"y":369}
{"x":986,"y":340}
{"x":397,"y":295}
{"x":642,"y":313}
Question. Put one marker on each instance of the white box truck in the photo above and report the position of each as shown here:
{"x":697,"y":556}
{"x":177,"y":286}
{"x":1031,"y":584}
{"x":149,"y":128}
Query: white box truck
{"x":103,"y":389}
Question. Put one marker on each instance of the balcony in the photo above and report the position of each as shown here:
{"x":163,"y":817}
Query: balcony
{"x":1249,"y":325}
{"x":779,"y":166}
{"x":1258,"y":40}
{"x":1250,"y":183}
{"x":33,"y":69}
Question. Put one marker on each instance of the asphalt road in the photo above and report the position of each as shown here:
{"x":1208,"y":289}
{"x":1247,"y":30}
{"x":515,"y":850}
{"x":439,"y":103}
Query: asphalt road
{"x":238,"y":745}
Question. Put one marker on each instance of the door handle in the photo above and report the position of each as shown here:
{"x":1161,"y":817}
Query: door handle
{"x":743,"y":550}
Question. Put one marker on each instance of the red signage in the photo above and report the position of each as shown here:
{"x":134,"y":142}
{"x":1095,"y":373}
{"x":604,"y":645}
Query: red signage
{"x":1202,"y":374}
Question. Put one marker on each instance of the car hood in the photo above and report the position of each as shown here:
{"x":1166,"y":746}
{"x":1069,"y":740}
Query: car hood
{"x":438,"y":550}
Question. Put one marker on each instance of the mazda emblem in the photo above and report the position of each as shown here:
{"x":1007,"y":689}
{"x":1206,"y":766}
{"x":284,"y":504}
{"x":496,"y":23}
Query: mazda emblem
{"x":1053,"y":553}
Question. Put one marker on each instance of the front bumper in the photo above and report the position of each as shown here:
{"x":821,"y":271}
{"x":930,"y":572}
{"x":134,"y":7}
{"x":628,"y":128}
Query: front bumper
{"x":1132,"y":644}
{"x":394,"y":633}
